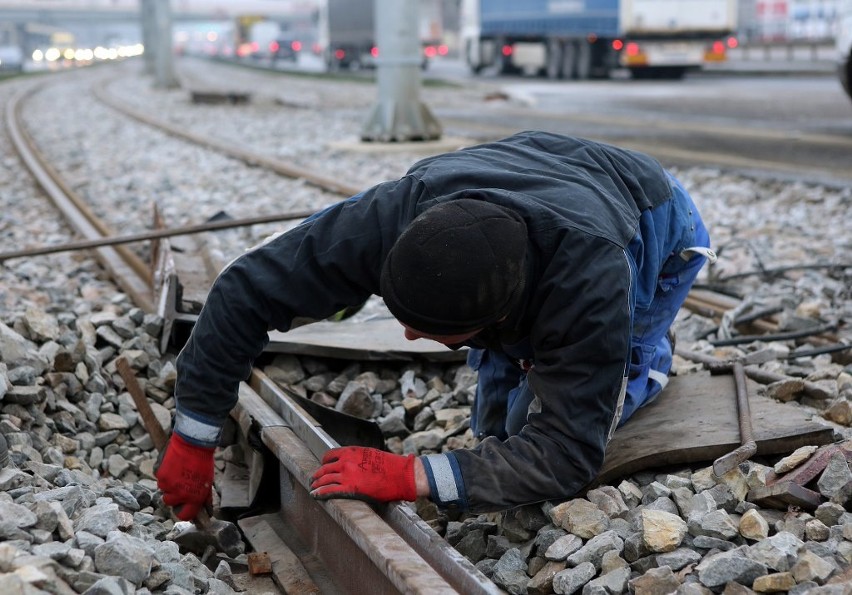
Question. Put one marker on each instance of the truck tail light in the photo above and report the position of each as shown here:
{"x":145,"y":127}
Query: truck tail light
{"x":633,"y":55}
{"x":716,"y":52}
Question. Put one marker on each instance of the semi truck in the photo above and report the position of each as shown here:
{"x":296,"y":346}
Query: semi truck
{"x":844,"y":46}
{"x":345,"y":32}
{"x":581,"y":39}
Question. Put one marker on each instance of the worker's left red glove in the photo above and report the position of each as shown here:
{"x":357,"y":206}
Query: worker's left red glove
{"x":365,"y":474}
{"x":185,"y":476}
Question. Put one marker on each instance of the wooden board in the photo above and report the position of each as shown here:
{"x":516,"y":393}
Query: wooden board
{"x":288,"y":571}
{"x":695,"y":420}
{"x":376,"y":339}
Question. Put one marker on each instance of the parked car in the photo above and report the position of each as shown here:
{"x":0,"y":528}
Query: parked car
{"x":286,"y":48}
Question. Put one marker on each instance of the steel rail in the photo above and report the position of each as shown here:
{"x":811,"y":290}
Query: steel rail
{"x":128,"y":270}
{"x":391,"y":539}
{"x":227,"y":147}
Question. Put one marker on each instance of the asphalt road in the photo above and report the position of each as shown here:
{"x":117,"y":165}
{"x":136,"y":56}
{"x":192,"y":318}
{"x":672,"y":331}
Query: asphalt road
{"x":795,"y":122}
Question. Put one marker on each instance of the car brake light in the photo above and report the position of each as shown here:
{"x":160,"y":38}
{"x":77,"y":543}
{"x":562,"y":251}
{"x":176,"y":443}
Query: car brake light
{"x":632,"y":49}
{"x":297,"y":46}
{"x":374,"y":52}
{"x":732,"y":42}
{"x":507,"y":50}
{"x":339,"y":54}
{"x":617,"y":44}
{"x":273,"y":47}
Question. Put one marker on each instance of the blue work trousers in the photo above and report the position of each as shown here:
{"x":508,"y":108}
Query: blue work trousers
{"x":667,"y":238}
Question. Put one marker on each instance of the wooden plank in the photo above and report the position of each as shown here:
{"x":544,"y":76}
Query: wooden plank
{"x":695,"y":420}
{"x":287,"y":569}
{"x":376,"y":339}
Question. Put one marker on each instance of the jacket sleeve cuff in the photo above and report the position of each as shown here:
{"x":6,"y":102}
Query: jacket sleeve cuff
{"x":197,"y":429}
{"x":446,"y":486}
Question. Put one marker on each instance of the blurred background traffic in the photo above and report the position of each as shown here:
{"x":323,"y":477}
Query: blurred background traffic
{"x":557,"y":39}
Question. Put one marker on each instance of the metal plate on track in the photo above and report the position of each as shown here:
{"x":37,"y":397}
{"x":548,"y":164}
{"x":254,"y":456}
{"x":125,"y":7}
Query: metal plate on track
{"x":376,"y":339}
{"x":695,"y":420}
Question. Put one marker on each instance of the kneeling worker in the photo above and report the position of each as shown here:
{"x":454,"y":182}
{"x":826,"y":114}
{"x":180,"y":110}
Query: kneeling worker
{"x":560,"y":262}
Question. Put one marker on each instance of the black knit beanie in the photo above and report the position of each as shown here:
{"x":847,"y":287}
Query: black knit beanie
{"x":458,"y":267}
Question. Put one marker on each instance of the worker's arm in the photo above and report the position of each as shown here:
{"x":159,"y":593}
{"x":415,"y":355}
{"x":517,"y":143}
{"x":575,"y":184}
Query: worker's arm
{"x":328,"y":262}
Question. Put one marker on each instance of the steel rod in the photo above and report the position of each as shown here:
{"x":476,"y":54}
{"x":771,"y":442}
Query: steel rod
{"x":154,"y":234}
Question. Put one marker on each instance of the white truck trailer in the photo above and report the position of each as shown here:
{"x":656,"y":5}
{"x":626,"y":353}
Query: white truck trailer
{"x":844,"y":46}
{"x":591,"y":38}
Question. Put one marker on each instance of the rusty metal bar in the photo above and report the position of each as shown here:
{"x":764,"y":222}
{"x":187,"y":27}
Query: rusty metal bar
{"x":817,"y":330}
{"x":749,"y":447}
{"x":155,"y":234}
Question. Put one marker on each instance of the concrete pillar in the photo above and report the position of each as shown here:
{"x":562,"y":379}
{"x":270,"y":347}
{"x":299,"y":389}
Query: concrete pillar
{"x":164,"y":67}
{"x":399,"y":115}
{"x":146,"y":14}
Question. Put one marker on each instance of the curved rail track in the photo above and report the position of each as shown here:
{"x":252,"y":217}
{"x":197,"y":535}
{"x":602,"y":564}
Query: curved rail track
{"x":337,"y":546}
{"x":333,"y":546}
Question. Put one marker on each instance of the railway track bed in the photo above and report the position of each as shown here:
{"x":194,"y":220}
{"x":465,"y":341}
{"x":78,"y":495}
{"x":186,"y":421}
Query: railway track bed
{"x":341,"y":546}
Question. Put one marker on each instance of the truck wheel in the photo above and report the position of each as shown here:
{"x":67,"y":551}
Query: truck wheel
{"x":474,"y":61}
{"x":643,"y":73}
{"x":506,"y":66}
{"x":673,"y":73}
{"x":553,"y":68}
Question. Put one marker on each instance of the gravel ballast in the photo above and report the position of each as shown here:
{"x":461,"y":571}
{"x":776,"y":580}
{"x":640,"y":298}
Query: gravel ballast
{"x":79,"y":509}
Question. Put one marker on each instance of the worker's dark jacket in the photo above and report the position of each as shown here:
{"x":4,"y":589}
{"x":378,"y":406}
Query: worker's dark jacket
{"x":581,"y":202}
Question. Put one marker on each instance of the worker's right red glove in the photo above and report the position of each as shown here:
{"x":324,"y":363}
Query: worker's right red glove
{"x":185,"y":476}
{"x":364,"y":474}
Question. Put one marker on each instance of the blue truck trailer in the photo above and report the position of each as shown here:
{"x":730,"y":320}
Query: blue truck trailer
{"x":580,"y":39}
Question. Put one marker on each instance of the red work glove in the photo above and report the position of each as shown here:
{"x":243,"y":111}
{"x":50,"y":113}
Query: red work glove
{"x":364,"y":474}
{"x":185,"y":476}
